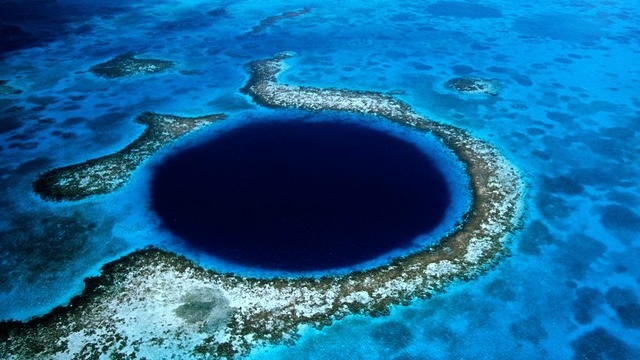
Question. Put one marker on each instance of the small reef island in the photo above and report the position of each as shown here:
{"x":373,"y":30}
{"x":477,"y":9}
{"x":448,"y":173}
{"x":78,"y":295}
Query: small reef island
{"x":155,"y":302}
{"x":126,"y":64}
{"x":474,"y":86}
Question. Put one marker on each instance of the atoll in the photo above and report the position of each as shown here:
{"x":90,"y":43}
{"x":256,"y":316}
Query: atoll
{"x":474,"y":85}
{"x":154,"y":302}
{"x":106,"y":174}
{"x":127,"y":65}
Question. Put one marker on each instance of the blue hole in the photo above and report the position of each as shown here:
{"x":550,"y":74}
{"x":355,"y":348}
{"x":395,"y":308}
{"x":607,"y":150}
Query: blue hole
{"x":297,"y":195}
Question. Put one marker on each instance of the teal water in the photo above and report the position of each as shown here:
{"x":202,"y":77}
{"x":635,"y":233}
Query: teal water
{"x":568,"y":116}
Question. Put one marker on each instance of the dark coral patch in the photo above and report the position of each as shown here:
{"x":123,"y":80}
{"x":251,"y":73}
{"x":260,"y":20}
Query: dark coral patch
{"x":43,"y":101}
{"x":599,"y":344}
{"x":559,"y":117}
{"x":217,"y":12}
{"x":563,"y":60}
{"x":522,"y":79}
{"x":566,"y":27}
{"x":463,"y":9}
{"x":462,"y":69}
{"x":529,"y":329}
{"x":393,"y":334}
{"x":272,"y":20}
{"x":579,"y":252}
{"x":586,"y":305}
{"x":501,"y":289}
{"x":8,"y":90}
{"x":14,"y":37}
{"x":535,"y":235}
{"x":618,"y":217}
{"x":562,"y":185}
{"x":9,"y":122}
{"x":480,"y":47}
{"x":625,"y":303}
{"x":27,"y":145}
{"x":498,"y":70}
{"x":551,"y":206}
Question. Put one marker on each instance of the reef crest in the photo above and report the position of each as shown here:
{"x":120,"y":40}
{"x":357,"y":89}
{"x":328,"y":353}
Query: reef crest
{"x":107,"y":173}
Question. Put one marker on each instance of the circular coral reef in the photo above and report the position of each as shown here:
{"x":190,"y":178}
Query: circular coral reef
{"x":152,"y":301}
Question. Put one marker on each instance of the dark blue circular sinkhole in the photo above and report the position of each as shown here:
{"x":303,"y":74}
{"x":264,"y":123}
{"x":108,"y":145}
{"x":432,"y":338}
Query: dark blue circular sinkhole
{"x":300,"y":195}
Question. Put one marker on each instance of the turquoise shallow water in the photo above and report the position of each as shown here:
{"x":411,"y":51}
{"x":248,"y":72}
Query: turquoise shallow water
{"x":568,"y":116}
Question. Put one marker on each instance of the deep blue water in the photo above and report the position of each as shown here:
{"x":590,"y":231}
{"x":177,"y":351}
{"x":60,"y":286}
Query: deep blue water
{"x":568,"y":117}
{"x":295,"y":195}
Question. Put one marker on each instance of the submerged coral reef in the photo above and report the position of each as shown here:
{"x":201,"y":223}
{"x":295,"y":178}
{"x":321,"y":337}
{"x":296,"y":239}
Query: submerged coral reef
{"x":271,"y":20}
{"x":7,"y":89}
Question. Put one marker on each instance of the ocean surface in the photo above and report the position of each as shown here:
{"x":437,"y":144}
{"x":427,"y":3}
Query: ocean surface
{"x":567,"y":115}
